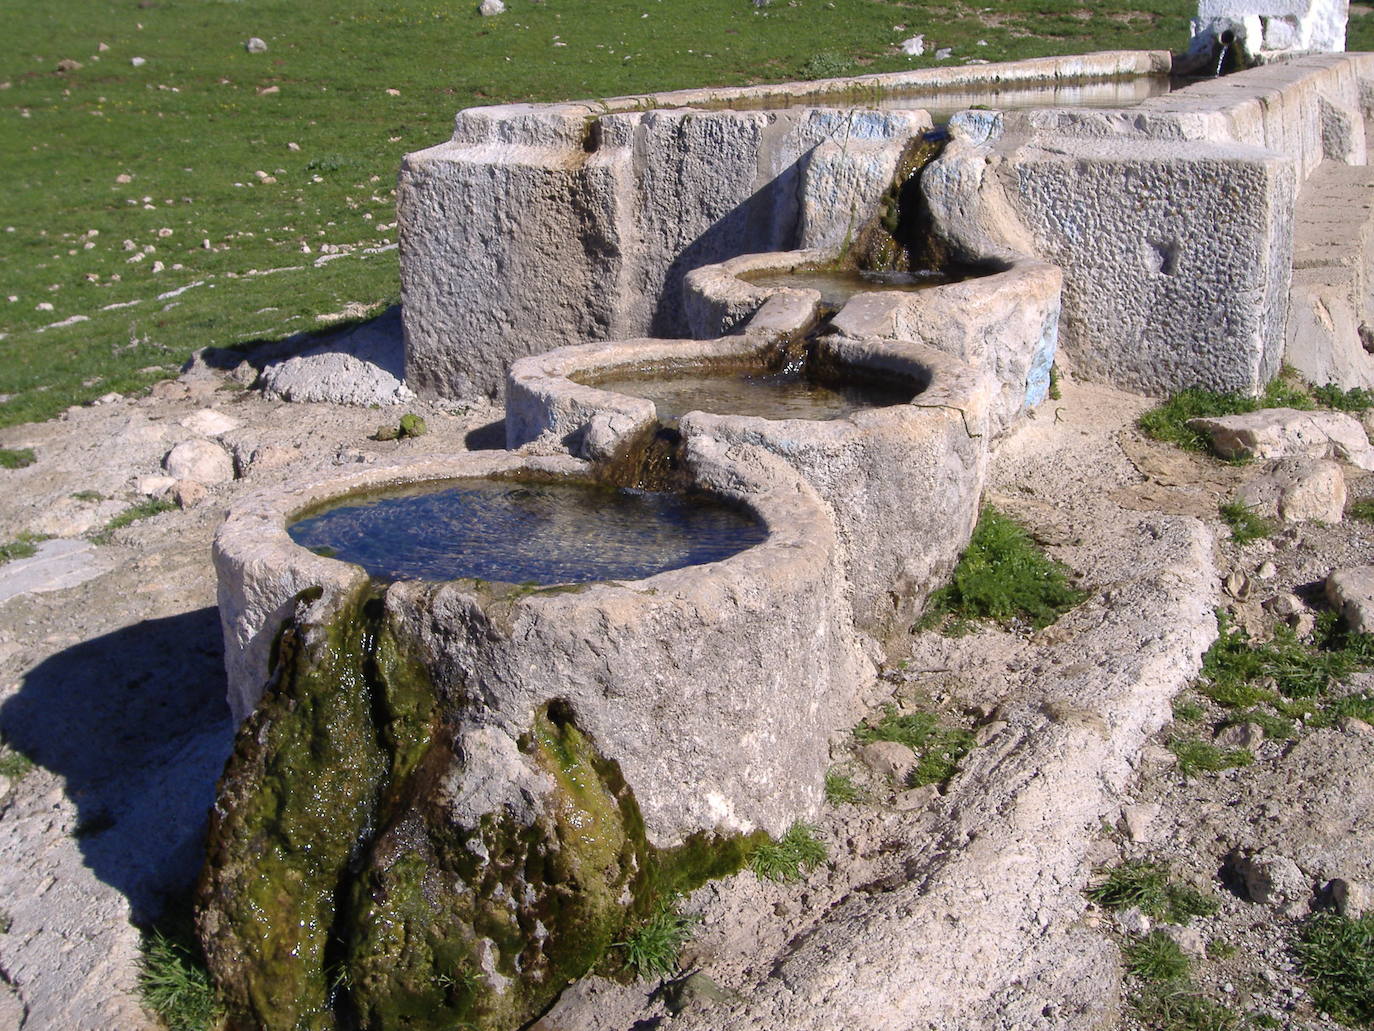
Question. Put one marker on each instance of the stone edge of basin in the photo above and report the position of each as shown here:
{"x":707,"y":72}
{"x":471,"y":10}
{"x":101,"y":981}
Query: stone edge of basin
{"x":1005,"y":321}
{"x":902,"y":482}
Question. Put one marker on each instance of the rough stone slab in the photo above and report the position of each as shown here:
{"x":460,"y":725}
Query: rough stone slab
{"x":1288,"y":433}
{"x":57,"y":564}
{"x":1352,"y":592}
{"x":1298,"y":490}
{"x":364,"y":365}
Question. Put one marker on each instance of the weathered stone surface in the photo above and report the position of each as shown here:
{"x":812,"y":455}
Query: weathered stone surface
{"x":1298,"y":490}
{"x":1268,"y":28}
{"x":1351,"y":591}
{"x":56,"y":565}
{"x":210,"y":423}
{"x":201,"y":460}
{"x":1288,"y":433}
{"x":1138,"y":819}
{"x":189,"y":493}
{"x":541,"y":226}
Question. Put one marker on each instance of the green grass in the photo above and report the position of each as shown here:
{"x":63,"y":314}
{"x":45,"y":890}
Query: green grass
{"x":1002,"y":575}
{"x":840,"y":788}
{"x":652,"y":949}
{"x":14,"y":765}
{"x":1168,"y":421}
{"x":176,"y":985}
{"x":23,"y":546}
{"x":1150,"y":887}
{"x":939,"y":748}
{"x":1188,"y":711}
{"x":1156,"y":957}
{"x":1239,"y":673}
{"x":1196,"y":756}
{"x":142,"y":510}
{"x":1275,"y":726}
{"x":1245,"y":524}
{"x":1179,"y":1007}
{"x":1362,"y":509}
{"x":785,"y":859}
{"x":1356,"y":399}
{"x":1336,"y":955}
{"x":192,"y":127}
{"x":16,"y":458}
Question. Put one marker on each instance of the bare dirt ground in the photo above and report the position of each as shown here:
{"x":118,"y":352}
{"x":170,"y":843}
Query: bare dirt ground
{"x":113,"y":687}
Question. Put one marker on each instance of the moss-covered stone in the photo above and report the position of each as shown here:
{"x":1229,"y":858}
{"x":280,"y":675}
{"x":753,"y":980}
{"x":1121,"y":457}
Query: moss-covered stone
{"x":341,"y":891}
{"x":899,"y":237}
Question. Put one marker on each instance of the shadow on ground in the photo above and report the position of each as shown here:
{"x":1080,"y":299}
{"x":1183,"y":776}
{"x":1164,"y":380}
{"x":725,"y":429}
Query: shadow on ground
{"x":136,"y":723}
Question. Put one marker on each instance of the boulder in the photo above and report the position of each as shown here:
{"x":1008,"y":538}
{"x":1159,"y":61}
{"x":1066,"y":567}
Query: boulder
{"x":1351,"y":591}
{"x":201,"y":460}
{"x":888,"y":758}
{"x":1298,"y":490}
{"x":1288,"y":433}
{"x":1275,"y":880}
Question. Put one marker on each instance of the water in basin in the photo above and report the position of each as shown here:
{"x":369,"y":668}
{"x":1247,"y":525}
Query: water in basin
{"x":524,"y":532}
{"x":838,"y":286}
{"x":791,"y":392}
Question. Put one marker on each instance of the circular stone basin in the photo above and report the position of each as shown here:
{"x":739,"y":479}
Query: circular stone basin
{"x":524,"y":532}
{"x":838,"y":286}
{"x":791,"y":392}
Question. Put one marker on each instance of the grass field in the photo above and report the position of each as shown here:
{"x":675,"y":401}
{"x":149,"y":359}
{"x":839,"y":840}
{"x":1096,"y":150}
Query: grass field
{"x":209,"y":196}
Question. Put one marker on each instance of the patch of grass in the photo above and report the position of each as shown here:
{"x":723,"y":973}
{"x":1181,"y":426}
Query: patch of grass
{"x":23,"y":546}
{"x":88,"y":495}
{"x":143,"y":510}
{"x":1245,"y":524}
{"x":827,"y":65}
{"x":1195,"y":756}
{"x":840,"y":788}
{"x":1337,"y":957}
{"x":1357,"y":706}
{"x":785,"y":859}
{"x":939,"y":748}
{"x":176,"y":144}
{"x":1275,"y":727}
{"x":1188,"y":711}
{"x":1236,"y":672}
{"x":14,"y":765}
{"x":1168,"y":421}
{"x":176,"y":985}
{"x":16,"y":458}
{"x":1003,"y":575}
{"x":1177,"y":1006}
{"x":1356,"y":399}
{"x":1362,"y":509}
{"x":1219,"y":949}
{"x":1056,"y":394}
{"x":652,"y":949}
{"x":1151,"y":888}
{"x":1156,"y":958}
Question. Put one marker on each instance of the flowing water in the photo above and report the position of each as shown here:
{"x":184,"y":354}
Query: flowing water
{"x":524,"y":532}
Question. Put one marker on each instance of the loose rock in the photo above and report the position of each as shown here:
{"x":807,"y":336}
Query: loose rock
{"x":189,"y":493}
{"x":1353,"y":899}
{"x":490,"y":7}
{"x":1138,"y":818}
{"x":1298,"y":490}
{"x":1274,"y":880}
{"x":200,"y":460}
{"x":255,"y":46}
{"x":210,"y":423}
{"x":1351,"y":591}
{"x":1288,"y":433}
{"x":1241,"y":735}
{"x":888,"y":758}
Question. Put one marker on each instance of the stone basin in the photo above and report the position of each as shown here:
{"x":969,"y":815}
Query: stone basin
{"x":901,"y":481}
{"x":494,"y":778}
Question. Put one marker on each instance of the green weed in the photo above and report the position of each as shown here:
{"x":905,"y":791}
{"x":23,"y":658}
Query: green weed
{"x":1236,"y":672}
{"x":939,"y":748}
{"x":176,"y":985}
{"x":1357,"y":399}
{"x":1156,"y":957}
{"x":14,"y":765}
{"x":1357,"y":706}
{"x":840,"y":788}
{"x":1245,"y":524}
{"x":142,"y":510}
{"x":1219,"y":949}
{"x":1151,"y":888}
{"x":23,"y":546}
{"x":88,"y":495}
{"x":16,"y":458}
{"x":1177,"y":1006}
{"x":1275,"y":727}
{"x":1003,"y":575}
{"x":785,"y":859}
{"x":1056,"y":394}
{"x":1195,"y":756}
{"x":827,"y":65}
{"x":1337,"y":957}
{"x":652,"y":949}
{"x":1362,"y":509}
{"x":1188,"y":711}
